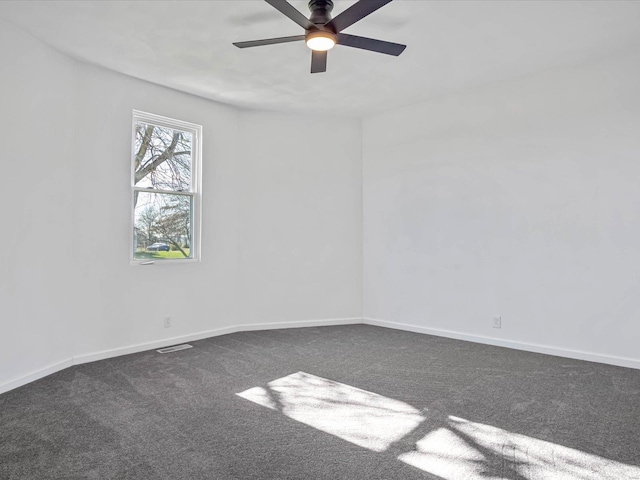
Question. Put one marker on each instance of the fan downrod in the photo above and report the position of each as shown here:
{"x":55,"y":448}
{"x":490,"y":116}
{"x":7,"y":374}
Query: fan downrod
{"x":320,"y":11}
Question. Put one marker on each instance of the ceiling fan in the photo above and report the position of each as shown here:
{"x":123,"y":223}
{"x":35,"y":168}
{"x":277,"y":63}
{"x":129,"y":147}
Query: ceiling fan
{"x":322,"y":32}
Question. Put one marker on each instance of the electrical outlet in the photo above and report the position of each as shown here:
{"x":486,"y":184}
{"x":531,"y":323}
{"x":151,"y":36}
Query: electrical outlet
{"x":167,"y":322}
{"x":497,"y":322}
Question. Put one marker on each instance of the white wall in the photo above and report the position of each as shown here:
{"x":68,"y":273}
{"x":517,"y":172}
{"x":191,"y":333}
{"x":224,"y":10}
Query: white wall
{"x":267,"y":257}
{"x":37,"y":110}
{"x":281,"y":237}
{"x":117,"y":304}
{"x":300,"y":218}
{"x":518,"y":200}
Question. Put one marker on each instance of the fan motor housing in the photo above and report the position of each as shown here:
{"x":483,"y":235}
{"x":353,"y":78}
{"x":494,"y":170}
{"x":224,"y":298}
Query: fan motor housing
{"x":320,"y":11}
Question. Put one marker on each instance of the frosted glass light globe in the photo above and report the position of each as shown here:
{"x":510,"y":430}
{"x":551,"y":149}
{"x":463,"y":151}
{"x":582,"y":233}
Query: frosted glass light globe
{"x":321,"y":41}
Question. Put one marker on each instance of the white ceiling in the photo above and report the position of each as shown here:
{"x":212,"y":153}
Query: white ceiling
{"x":452,"y":45}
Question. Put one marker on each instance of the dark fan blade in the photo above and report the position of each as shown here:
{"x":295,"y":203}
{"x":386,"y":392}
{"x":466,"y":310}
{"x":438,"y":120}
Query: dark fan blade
{"x":318,"y":62}
{"x":355,"y":13}
{"x":370,"y":44}
{"x":290,"y":11}
{"x":269,"y":41}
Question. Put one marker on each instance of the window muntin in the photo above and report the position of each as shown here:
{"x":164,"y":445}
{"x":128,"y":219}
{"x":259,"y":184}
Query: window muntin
{"x":165,"y":189}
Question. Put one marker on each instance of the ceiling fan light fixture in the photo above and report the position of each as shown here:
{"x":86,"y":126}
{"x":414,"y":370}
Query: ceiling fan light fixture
{"x":322,"y":33}
{"x":320,"y":41}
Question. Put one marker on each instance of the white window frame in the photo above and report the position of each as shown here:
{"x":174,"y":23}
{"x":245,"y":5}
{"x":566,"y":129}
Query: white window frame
{"x":196,"y":186}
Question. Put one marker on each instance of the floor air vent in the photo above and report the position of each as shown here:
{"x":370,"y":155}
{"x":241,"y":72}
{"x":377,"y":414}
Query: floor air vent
{"x":175,"y":348}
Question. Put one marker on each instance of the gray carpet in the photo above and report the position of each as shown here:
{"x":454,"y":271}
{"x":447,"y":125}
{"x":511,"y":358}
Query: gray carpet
{"x":348,"y":402}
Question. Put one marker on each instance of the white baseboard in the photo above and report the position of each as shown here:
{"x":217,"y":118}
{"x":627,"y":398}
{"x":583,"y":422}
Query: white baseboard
{"x":303,"y":323}
{"x":141,"y":347}
{"x":37,"y":375}
{"x":498,"y":342}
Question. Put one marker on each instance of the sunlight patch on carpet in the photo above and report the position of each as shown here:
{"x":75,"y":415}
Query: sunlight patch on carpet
{"x":364,"y":418}
{"x":470,"y":450}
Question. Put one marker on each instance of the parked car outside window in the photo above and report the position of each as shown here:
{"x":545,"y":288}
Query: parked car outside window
{"x":158,"y":247}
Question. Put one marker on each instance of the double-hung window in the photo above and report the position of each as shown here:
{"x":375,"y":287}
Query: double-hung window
{"x":165,"y":168}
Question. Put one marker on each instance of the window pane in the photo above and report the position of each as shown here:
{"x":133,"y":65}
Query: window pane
{"x":162,"y":226}
{"x":162,"y":158}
